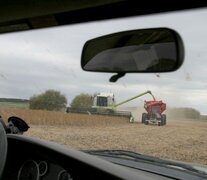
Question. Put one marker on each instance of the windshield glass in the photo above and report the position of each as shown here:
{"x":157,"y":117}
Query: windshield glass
{"x":43,"y":83}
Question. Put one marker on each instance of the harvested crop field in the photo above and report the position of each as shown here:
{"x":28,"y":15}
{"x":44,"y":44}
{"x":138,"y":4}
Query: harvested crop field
{"x":184,"y":140}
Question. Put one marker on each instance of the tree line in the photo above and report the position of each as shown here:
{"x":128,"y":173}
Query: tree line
{"x":53,"y":100}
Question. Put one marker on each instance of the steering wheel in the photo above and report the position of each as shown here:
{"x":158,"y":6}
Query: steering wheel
{"x":3,"y":149}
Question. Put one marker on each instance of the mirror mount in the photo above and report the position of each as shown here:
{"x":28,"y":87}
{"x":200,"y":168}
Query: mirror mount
{"x":117,"y":76}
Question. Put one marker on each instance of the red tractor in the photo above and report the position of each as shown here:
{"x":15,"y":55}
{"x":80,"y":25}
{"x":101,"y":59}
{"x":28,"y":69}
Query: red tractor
{"x":154,"y":113}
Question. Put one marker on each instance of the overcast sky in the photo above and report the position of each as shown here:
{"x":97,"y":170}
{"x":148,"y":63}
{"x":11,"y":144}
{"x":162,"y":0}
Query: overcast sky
{"x":32,"y":62}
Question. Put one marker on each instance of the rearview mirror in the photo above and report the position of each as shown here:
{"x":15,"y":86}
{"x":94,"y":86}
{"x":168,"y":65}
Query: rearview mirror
{"x":146,"y":50}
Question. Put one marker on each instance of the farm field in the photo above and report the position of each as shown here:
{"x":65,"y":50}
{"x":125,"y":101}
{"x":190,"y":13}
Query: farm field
{"x":14,"y":103}
{"x":22,"y":105}
{"x":184,"y":140}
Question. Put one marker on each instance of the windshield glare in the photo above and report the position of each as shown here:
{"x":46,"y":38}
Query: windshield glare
{"x":48,"y":61}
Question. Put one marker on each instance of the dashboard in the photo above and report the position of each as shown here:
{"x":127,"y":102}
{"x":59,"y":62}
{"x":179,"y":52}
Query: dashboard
{"x":34,"y":159}
{"x":25,"y":162}
{"x":32,"y":169}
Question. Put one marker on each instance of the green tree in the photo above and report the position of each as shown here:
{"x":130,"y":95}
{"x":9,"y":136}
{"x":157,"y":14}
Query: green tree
{"x":82,"y":101}
{"x":49,"y":100}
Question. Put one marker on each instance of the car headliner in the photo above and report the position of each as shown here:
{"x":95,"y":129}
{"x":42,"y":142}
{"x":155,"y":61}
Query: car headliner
{"x":33,"y":14}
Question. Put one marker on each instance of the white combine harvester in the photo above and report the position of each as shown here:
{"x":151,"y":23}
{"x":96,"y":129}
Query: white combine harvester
{"x":104,"y":104}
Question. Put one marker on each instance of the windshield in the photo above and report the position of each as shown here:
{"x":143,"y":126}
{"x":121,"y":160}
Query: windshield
{"x":43,"y":83}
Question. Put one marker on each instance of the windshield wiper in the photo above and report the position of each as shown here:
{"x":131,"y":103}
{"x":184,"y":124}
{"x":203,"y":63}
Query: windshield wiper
{"x":128,"y":155}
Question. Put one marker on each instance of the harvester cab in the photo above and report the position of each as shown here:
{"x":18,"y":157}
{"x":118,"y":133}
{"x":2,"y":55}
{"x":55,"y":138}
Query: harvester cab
{"x":103,"y":100}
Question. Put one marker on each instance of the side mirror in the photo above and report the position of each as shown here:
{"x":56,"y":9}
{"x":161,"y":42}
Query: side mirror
{"x":145,"y":50}
{"x":16,"y":125}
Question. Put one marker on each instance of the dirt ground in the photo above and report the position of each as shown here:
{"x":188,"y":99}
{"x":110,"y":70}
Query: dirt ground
{"x":179,"y":140}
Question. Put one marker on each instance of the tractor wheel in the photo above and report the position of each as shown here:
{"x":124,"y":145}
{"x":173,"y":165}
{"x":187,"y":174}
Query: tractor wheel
{"x":131,"y":120}
{"x":146,"y":122}
{"x":162,"y":123}
{"x":163,"y":119}
{"x":144,"y":117}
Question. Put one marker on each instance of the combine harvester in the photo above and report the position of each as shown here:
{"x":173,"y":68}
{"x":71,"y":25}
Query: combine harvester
{"x":104,"y":104}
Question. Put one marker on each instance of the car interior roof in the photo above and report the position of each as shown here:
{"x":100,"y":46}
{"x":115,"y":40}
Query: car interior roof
{"x":33,"y":14}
